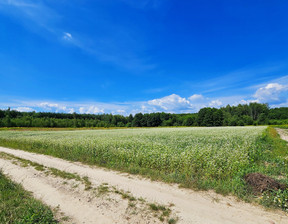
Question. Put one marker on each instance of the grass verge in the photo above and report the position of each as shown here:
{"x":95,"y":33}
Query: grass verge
{"x":274,"y":162}
{"x":18,"y":205}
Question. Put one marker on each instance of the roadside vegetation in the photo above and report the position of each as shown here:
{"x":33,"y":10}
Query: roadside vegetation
{"x":18,"y":205}
{"x":274,"y":162}
{"x":283,"y":126}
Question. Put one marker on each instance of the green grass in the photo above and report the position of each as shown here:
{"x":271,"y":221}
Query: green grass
{"x":163,"y":211}
{"x":199,"y":158}
{"x":283,"y":126}
{"x":102,"y":189}
{"x":172,"y":221}
{"x":18,"y":206}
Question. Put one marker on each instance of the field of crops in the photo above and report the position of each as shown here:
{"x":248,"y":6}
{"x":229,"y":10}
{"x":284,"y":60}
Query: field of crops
{"x":181,"y":153}
{"x":203,"y":158}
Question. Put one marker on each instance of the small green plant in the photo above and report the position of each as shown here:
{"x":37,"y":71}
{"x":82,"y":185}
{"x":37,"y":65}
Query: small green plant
{"x":125,"y":195}
{"x":87,"y":182}
{"x":172,"y":221}
{"x":102,"y":190}
{"x":131,"y":204}
{"x":163,"y":210}
{"x":153,"y":207}
{"x":141,"y":199}
{"x":277,"y":199}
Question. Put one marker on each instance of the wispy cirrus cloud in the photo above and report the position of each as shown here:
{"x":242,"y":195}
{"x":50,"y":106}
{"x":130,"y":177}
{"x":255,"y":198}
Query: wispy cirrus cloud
{"x":240,"y":79}
{"x":17,"y":3}
{"x":109,"y":46}
{"x":32,"y":14}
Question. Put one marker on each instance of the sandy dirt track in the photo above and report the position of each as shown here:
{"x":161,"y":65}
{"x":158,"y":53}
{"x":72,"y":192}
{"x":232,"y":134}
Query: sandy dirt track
{"x":190,"y":206}
{"x":283,"y":133}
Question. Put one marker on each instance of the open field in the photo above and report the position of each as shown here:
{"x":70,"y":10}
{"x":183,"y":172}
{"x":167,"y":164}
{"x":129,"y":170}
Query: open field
{"x":198,"y":158}
{"x":201,"y":156}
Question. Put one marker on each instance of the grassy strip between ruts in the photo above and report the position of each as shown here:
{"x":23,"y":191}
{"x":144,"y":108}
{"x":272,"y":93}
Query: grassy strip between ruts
{"x":268,"y":155}
{"x":18,"y":205}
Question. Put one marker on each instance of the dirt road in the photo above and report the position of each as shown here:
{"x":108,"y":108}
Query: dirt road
{"x":283,"y":133}
{"x":191,"y":207}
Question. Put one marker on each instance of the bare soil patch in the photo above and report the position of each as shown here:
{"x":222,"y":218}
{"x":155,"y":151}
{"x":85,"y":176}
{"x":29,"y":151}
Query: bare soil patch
{"x":283,"y":133}
{"x":260,"y":182}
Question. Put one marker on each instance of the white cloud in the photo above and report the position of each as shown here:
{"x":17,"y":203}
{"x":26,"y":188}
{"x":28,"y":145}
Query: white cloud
{"x":54,"y":107}
{"x":48,"y":105}
{"x":90,"y":110}
{"x":23,"y":109}
{"x":171,"y":102}
{"x":215,"y":103}
{"x":272,"y":93}
{"x":67,"y":36}
{"x":245,"y":102}
{"x":196,"y":97}
{"x":120,"y":112}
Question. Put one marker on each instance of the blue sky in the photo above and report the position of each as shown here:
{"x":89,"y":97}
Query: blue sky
{"x":127,"y":56}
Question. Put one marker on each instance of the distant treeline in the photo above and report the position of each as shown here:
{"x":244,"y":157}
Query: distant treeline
{"x":252,"y":114}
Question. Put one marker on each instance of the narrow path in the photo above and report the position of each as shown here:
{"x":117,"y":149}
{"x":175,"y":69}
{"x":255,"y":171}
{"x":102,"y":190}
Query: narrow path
{"x":192,"y":207}
{"x":283,"y":133}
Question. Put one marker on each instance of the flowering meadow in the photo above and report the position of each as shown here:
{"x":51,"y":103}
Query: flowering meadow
{"x":216,"y":152}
